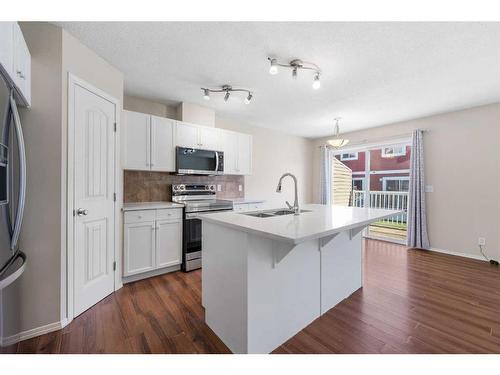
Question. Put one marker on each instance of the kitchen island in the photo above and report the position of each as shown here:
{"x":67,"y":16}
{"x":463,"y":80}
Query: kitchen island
{"x":266,"y":276}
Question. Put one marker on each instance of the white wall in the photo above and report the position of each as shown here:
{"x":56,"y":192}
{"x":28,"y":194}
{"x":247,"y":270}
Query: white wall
{"x":275,"y":153}
{"x":136,"y":104}
{"x":462,"y":160}
{"x":196,"y":114}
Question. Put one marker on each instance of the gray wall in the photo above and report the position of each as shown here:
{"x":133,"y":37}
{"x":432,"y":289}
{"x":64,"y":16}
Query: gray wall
{"x":33,"y":300}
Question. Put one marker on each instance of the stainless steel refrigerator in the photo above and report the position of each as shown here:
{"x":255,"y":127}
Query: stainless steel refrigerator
{"x":12,"y":186}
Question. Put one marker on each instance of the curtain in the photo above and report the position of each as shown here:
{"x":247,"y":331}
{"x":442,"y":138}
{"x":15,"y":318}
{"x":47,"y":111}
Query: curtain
{"x":417,"y":220}
{"x":325,"y":176}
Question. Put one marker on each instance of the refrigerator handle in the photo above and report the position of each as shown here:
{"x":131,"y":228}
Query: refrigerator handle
{"x":5,"y":140}
{"x":22,"y":174}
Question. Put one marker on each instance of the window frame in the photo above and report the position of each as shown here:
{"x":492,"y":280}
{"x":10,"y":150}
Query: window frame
{"x":394,"y":154}
{"x":394,"y":178}
{"x":362,"y":179}
{"x":355,"y":157}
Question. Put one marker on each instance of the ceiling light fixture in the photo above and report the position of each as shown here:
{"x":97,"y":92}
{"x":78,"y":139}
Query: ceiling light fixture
{"x":296,"y":65}
{"x":227,"y":90}
{"x":336,"y":141}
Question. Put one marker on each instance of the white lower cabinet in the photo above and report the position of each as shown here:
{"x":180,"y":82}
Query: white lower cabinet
{"x":168,"y":243}
{"x":152,"y":240}
{"x":139,"y":251}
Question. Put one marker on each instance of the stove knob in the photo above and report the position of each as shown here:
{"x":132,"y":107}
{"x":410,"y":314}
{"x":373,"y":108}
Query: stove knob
{"x":212,"y":187}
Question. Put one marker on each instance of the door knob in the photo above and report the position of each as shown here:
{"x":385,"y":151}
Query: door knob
{"x":82,"y":212}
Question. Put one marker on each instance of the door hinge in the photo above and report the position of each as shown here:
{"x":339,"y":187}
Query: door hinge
{"x":115,"y":127}
{"x":114,"y":266}
{"x":114,"y":197}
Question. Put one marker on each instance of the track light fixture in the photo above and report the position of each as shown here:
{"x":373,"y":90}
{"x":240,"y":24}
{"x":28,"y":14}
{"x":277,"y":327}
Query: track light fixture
{"x":227,"y":90}
{"x":296,"y":65}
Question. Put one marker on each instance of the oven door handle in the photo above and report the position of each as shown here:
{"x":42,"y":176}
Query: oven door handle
{"x":216,"y":161}
{"x":192,"y":216}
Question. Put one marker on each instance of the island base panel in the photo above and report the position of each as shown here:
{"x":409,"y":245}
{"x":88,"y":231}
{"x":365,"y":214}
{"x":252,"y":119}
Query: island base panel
{"x":341,"y":269}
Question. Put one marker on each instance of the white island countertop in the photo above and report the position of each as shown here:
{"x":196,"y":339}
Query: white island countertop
{"x":321,"y":221}
{"x":150,"y":206}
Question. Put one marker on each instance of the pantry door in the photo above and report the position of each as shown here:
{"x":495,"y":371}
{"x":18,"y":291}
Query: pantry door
{"x":94,"y":197}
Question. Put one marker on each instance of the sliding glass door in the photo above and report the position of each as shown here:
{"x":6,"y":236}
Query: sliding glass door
{"x":375,"y":176}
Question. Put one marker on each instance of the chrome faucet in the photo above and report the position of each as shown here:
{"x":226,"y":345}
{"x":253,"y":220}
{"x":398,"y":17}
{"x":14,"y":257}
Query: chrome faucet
{"x":295,"y":207}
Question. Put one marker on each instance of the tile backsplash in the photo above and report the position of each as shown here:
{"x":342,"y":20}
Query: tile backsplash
{"x":142,"y":186}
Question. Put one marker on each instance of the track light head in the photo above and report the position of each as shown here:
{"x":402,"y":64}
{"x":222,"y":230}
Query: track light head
{"x":206,"y":94}
{"x":273,"y":69}
{"x":316,"y":83}
{"x":248,"y":98}
{"x":226,"y":97}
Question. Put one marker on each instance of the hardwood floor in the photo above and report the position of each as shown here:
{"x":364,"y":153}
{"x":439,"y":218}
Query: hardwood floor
{"x":412,"y":302}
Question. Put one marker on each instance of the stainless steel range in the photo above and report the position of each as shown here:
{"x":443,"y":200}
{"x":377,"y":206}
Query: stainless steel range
{"x":198,"y":200}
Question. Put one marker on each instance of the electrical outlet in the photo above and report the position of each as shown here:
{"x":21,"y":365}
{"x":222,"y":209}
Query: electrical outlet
{"x":240,"y":187}
{"x":481,"y":241}
{"x":219,"y":187}
{"x":429,"y":189}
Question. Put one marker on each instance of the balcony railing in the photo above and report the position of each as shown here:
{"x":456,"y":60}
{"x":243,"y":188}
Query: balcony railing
{"x":390,"y":200}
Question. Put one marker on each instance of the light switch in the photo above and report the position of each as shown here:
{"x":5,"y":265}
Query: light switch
{"x":240,"y":187}
{"x":429,"y":189}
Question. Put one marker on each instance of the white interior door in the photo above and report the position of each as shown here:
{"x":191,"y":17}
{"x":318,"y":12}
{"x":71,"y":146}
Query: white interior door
{"x":94,"y":184}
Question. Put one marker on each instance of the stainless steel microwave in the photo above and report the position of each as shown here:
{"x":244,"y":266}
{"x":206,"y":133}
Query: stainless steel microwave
{"x":196,"y":161}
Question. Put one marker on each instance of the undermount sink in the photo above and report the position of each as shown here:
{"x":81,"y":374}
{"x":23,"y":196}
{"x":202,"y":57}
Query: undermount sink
{"x":271,"y":213}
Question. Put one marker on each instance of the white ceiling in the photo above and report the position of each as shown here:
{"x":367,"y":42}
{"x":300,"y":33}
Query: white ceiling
{"x":372,"y":73}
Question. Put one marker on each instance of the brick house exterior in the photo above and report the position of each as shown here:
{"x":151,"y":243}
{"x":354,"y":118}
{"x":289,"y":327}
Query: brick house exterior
{"x":379,"y":163}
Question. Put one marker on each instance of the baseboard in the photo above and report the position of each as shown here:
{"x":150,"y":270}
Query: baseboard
{"x":25,"y":335}
{"x":463,"y":255}
{"x":145,"y":275}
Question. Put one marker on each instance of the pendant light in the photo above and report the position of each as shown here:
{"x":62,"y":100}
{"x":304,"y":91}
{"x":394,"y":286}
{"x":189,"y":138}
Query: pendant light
{"x":336,"y":141}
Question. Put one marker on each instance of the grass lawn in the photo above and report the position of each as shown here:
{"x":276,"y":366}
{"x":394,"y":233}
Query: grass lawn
{"x":388,"y":224}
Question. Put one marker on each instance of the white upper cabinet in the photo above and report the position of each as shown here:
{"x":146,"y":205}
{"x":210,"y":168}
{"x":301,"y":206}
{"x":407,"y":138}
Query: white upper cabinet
{"x":244,"y":163}
{"x":7,"y":47}
{"x":237,"y":149}
{"x":22,"y":65}
{"x":187,"y":135}
{"x":148,"y":143}
{"x":136,"y":140}
{"x":229,"y":145}
{"x":209,"y":138}
{"x":162,"y":144}
{"x":15,"y":59}
{"x":197,"y":136}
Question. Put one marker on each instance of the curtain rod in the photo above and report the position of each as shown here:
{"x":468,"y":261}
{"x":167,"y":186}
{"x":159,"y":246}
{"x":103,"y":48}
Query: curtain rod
{"x":380,"y":139}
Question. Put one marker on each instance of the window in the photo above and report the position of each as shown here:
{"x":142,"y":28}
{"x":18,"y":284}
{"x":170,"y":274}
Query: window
{"x":393,"y":151}
{"x":349,"y":156}
{"x":401,"y":183}
{"x":357,"y":183}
